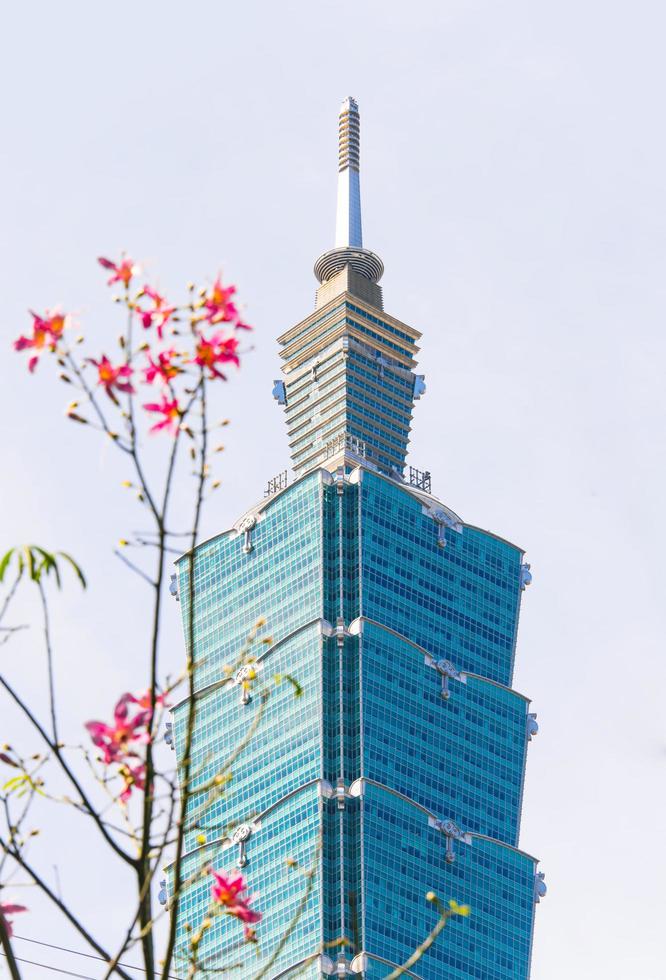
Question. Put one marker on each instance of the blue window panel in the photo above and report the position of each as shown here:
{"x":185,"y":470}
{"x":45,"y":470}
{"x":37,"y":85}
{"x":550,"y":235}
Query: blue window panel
{"x":405,"y":858}
{"x":291,"y":831}
{"x":284,"y":754}
{"x":371,"y":707}
{"x":460,"y":602}
{"x":280,"y":579}
{"x":462,"y":758}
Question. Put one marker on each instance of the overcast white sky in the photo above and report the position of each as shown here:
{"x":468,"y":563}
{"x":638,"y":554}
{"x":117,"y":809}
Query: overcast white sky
{"x":513,"y":161}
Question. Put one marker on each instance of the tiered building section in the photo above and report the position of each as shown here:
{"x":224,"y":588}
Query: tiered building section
{"x":349,"y":385}
{"x":400,"y":768}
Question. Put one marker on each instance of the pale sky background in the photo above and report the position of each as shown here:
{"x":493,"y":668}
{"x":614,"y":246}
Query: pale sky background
{"x":513,"y":161}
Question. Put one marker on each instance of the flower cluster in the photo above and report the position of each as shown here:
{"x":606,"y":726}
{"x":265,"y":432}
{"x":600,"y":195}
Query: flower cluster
{"x":226,"y":894}
{"x":46,"y":333}
{"x":159,"y":314}
{"x":213,"y":318}
{"x":122,"y":271}
{"x":110,"y":377}
{"x":119,"y":742}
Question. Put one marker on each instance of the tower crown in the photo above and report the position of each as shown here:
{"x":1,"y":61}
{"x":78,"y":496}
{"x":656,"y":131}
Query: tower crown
{"x":349,"y":383}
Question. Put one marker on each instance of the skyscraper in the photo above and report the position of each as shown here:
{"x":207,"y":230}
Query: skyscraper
{"x":400,"y":768}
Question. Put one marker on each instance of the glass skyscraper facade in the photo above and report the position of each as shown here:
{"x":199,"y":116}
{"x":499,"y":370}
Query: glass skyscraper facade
{"x":399,"y":770}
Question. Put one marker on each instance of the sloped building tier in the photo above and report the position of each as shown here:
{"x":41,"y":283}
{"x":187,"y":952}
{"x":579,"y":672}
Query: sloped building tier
{"x":399,"y":622}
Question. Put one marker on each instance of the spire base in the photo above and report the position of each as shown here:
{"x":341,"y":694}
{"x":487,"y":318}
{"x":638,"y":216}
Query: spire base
{"x":348,"y":281}
{"x":361,"y":260}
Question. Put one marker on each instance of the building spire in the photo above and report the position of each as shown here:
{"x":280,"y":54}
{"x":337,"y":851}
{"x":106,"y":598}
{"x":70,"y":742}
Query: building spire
{"x":348,"y":230}
{"x":348,"y":251}
{"x":349,"y":383}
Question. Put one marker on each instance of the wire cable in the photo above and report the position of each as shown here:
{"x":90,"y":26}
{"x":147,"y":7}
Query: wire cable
{"x":54,"y":969}
{"x":88,"y":956}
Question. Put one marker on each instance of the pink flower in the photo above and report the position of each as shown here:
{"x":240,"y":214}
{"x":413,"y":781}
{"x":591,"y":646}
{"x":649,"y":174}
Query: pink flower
{"x":110,"y":377}
{"x":218,"y":305}
{"x":170,"y":412}
{"x":118,"y":740}
{"x":134,"y":777}
{"x":160,"y":313}
{"x":163,"y":367}
{"x":46,"y":332}
{"x":218,"y":350}
{"x":143,"y":700}
{"x":226,"y":891}
{"x":122,"y":271}
{"x":6,"y":909}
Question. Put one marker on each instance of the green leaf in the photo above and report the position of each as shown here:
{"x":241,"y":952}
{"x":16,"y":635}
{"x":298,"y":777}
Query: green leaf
{"x":13,"y":783}
{"x":21,"y":784}
{"x":30,"y":558}
{"x":4,"y":563}
{"x":38,"y":563}
{"x":48,"y":562}
{"x":77,"y":569}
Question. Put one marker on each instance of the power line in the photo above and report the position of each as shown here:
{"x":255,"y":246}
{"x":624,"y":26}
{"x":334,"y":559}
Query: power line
{"x":89,"y":956}
{"x":76,"y":952}
{"x":54,"y":969}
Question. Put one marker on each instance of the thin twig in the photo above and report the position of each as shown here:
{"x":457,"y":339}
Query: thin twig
{"x":41,"y":884}
{"x":192,"y":705}
{"x":5,"y":942}
{"x":135,"y":568}
{"x":10,"y":595}
{"x":49,"y":659}
{"x":444,"y":917}
{"x":56,"y":750}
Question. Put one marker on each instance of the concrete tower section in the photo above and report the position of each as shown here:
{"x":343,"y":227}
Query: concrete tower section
{"x":349,"y":368}
{"x":400,"y":769}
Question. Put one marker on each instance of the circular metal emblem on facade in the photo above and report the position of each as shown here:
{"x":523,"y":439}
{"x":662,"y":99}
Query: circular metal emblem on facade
{"x":241,"y":833}
{"x":244,"y":673}
{"x":450,"y":828}
{"x":247,"y":523}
